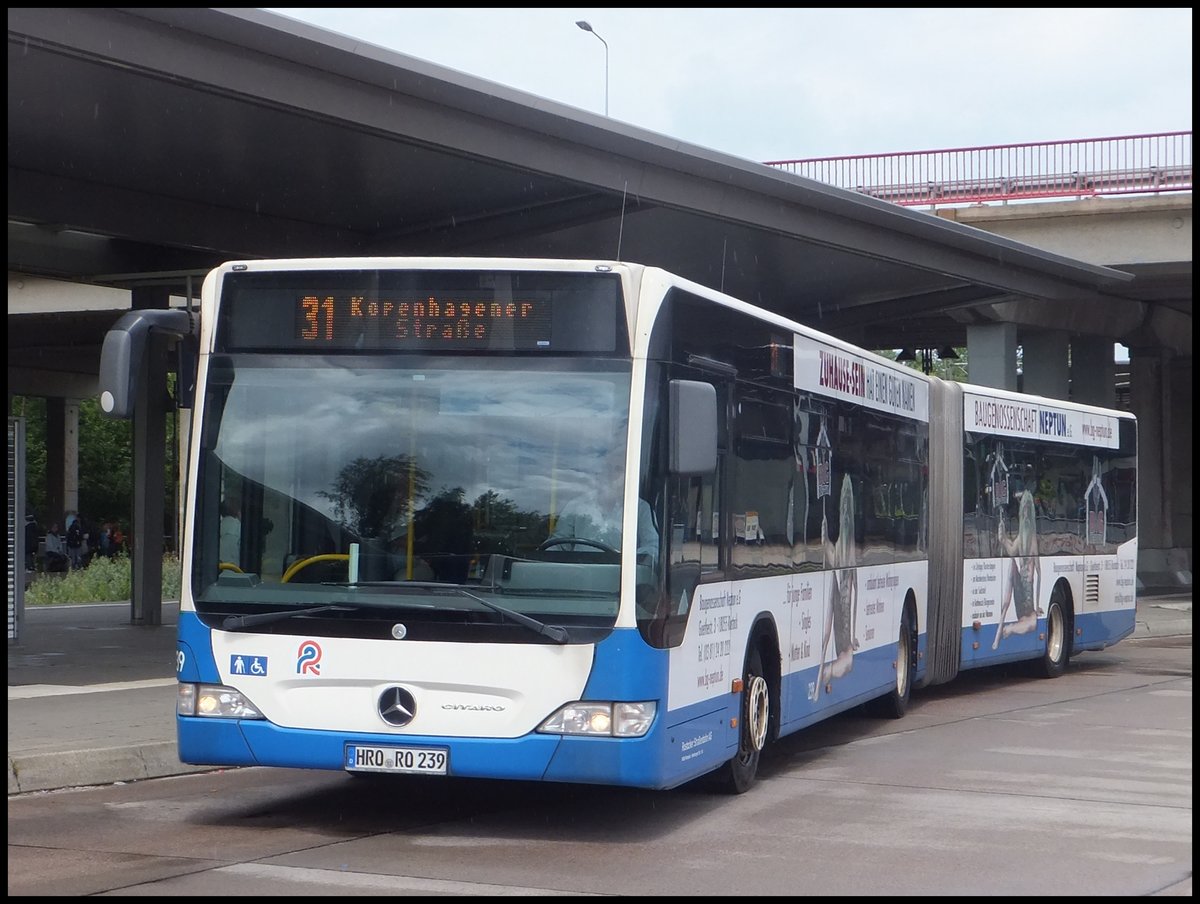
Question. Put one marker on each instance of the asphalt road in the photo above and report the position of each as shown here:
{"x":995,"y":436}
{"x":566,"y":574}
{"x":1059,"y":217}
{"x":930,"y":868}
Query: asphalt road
{"x":996,"y":784}
{"x":91,"y":698}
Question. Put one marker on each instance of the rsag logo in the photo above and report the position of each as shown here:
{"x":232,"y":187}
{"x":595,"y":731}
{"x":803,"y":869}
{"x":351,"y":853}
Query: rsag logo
{"x":308,"y":658}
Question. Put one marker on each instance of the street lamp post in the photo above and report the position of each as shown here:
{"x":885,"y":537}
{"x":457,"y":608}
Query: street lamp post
{"x":588,"y":28}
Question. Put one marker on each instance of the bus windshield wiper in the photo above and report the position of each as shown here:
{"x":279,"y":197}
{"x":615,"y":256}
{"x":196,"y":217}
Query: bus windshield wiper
{"x":556,"y":633}
{"x":234,"y":622}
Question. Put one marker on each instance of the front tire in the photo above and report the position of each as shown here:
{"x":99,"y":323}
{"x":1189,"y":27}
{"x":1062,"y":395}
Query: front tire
{"x":1058,"y":641}
{"x":737,"y":775}
{"x":894,"y":704}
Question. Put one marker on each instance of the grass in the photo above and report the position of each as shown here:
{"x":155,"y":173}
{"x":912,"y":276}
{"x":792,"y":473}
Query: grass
{"x":103,"y":580}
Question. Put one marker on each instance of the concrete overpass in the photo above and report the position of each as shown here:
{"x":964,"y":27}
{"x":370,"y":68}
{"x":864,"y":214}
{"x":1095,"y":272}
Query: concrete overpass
{"x":148,"y":145}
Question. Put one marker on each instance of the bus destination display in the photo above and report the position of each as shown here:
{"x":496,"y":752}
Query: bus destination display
{"x":456,"y":321}
{"x":421,"y":311}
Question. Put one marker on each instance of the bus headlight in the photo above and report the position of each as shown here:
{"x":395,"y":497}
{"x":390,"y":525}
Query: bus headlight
{"x":214,"y":701}
{"x":614,"y":720}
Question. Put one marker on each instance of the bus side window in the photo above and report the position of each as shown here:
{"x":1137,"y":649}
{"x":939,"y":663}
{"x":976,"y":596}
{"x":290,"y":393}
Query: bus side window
{"x":762,"y":469}
{"x":692,"y":548}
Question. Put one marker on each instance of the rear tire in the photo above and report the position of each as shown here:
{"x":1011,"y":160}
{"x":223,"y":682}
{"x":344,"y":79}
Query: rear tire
{"x":894,"y":704}
{"x":737,"y":775}
{"x":1058,"y":642}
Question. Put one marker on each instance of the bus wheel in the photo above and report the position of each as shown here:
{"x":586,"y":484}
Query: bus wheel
{"x":1058,"y":644}
{"x":739,"y":773}
{"x":894,"y":703}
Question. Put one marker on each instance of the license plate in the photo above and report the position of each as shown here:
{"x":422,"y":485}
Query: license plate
{"x":419,"y":760}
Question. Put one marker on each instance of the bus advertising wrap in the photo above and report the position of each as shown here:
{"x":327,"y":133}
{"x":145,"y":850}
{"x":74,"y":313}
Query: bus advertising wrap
{"x":1036,"y":420}
{"x":830,"y":371}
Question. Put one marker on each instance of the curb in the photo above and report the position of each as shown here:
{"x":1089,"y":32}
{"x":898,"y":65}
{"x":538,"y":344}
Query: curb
{"x":100,"y":766}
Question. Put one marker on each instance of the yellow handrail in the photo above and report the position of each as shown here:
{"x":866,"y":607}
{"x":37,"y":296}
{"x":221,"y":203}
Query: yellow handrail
{"x":304,"y":563}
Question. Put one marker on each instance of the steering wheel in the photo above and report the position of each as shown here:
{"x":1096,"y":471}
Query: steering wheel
{"x":578,"y":541}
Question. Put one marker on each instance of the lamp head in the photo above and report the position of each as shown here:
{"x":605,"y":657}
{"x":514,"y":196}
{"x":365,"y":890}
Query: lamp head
{"x":584,"y":25}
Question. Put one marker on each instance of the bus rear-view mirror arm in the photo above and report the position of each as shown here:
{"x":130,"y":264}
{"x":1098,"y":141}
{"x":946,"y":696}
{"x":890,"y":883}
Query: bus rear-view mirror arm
{"x":124,"y":350}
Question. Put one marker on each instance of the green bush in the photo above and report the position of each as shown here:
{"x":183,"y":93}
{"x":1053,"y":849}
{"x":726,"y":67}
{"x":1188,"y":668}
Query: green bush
{"x":103,"y":580}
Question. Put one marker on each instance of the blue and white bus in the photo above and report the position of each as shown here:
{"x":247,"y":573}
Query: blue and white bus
{"x":586,"y":521}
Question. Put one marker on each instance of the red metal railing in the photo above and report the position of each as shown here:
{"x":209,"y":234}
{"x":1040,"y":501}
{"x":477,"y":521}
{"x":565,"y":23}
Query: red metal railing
{"x":1134,"y":164}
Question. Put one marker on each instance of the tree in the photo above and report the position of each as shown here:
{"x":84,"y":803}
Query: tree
{"x":33,"y":410}
{"x":105,"y":464}
{"x":374,"y":496}
{"x":501,"y":527}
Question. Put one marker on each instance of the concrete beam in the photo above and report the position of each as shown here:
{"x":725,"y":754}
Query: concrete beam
{"x":1117,"y":320}
{"x":52,"y":383}
{"x":1109,"y":231}
{"x":34,"y":295}
{"x":1098,"y":316}
{"x":1166,"y":328}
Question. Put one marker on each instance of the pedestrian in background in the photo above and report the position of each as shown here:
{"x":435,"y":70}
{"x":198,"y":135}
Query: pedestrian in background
{"x":76,"y":541}
{"x":56,"y":550}
{"x":117,"y":539}
{"x":31,"y":541}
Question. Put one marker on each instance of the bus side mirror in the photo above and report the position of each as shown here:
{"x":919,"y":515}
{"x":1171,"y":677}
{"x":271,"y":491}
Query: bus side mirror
{"x":693,"y":419}
{"x":123,"y":351}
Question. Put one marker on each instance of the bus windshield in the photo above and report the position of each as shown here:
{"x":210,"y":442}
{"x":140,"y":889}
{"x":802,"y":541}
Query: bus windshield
{"x":389,"y":480}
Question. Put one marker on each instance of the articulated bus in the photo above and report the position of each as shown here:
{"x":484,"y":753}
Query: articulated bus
{"x":586,"y":521}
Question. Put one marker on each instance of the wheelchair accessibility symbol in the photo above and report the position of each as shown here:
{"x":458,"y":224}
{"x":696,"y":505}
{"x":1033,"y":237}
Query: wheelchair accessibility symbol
{"x":242,"y":664}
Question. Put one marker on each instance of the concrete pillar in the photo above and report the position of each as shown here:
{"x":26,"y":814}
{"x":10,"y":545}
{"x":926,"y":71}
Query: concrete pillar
{"x":1179,"y":391}
{"x":992,"y":355}
{"x":1093,"y":372}
{"x":149,"y":460}
{"x":1045,"y":364}
{"x":56,"y":505}
{"x":71,"y":456}
{"x":62,"y":459}
{"x":1147,"y":388}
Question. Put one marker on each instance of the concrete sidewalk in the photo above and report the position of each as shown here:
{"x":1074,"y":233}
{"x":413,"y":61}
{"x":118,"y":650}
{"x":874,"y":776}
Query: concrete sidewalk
{"x":91,"y":698}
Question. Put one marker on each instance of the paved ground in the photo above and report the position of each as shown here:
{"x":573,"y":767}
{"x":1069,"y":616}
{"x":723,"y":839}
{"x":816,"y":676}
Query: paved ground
{"x":91,"y":698}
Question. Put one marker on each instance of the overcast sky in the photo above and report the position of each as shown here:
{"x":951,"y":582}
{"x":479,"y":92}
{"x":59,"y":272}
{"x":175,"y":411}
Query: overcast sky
{"x":793,"y":83}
